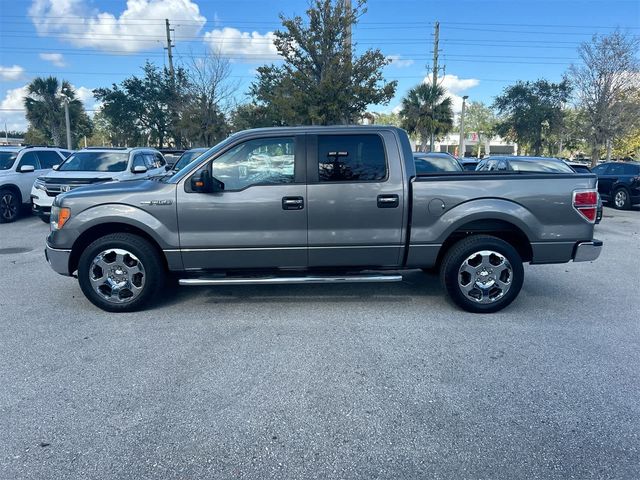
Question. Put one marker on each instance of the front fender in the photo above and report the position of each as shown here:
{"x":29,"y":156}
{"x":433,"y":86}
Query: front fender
{"x":164,"y":231}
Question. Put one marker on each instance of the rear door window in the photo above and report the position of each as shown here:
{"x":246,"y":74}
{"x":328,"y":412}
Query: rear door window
{"x":616,"y":169}
{"x":351,"y":158}
{"x":631,"y":169}
{"x":30,"y":158}
{"x":49,"y":158}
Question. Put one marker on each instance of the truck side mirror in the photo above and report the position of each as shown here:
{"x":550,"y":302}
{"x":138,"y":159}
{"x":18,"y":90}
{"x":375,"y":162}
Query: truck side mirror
{"x":139,"y":169}
{"x":203,"y":182}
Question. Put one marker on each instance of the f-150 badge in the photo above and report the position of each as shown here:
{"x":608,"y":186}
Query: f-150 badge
{"x":157,"y":202}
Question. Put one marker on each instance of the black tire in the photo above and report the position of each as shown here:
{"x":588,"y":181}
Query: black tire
{"x":508,"y":269}
{"x":621,"y":199}
{"x":140,"y":252}
{"x":45,"y":218}
{"x":10,"y":205}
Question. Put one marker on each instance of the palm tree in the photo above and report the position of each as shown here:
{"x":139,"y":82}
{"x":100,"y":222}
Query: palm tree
{"x":427,"y":110}
{"x":45,"y":108}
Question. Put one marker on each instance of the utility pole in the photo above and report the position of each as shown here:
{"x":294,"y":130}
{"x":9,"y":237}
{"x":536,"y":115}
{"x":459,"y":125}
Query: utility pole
{"x":168,"y":47}
{"x":6,"y":135}
{"x":434,"y":78}
{"x":462,"y":146}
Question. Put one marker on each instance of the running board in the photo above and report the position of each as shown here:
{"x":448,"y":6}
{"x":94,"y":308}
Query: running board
{"x":288,"y":280}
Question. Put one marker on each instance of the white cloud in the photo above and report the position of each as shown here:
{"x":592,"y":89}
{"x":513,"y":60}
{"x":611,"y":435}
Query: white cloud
{"x":454,"y":86}
{"x":243,"y":46}
{"x":56,"y":58}
{"x":138,"y":27}
{"x":12,"y":109}
{"x":398,"y":61}
{"x":86,"y":96}
{"x":11,"y":73}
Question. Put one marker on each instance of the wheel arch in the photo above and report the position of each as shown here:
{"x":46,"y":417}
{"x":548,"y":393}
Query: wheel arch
{"x":14,"y":188}
{"x":500,"y":228}
{"x":102,"y":229}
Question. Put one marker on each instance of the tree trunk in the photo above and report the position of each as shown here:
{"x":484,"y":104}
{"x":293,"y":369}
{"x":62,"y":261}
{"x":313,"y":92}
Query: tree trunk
{"x":608,"y":149}
{"x":594,"y":154}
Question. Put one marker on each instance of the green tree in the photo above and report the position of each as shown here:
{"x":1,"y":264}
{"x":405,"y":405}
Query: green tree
{"x":426,"y":110}
{"x":606,"y":84}
{"x":321,"y":81}
{"x":481,"y":120}
{"x":387,"y":119}
{"x":145,"y":107}
{"x":531,"y":112}
{"x":209,"y":92}
{"x":45,"y":110}
{"x":120,"y":111}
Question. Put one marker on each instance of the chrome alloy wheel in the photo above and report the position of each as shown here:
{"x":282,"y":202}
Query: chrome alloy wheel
{"x":117,"y":275}
{"x":620,"y":198}
{"x":485,"y":276}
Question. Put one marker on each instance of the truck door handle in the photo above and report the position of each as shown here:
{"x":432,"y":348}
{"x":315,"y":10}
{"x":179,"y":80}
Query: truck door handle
{"x":388,"y":201}
{"x":292,"y":203}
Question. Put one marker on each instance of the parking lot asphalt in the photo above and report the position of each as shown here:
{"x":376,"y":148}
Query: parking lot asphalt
{"x":327,"y":382}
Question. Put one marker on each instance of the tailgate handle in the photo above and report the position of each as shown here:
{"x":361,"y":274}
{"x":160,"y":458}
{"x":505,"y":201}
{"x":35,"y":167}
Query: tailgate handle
{"x":292,"y":203}
{"x":388,"y":201}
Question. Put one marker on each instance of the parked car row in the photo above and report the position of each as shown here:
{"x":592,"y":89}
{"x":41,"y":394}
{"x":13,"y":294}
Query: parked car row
{"x":32,"y":176}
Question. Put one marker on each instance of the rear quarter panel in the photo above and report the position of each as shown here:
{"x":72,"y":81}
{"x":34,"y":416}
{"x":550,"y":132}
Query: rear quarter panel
{"x":539,"y":205}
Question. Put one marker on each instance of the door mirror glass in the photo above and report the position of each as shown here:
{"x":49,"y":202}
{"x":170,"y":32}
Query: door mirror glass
{"x":26,"y":169}
{"x":139,"y":169}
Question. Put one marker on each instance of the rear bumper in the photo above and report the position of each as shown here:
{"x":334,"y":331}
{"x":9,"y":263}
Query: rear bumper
{"x":587,"y":251}
{"x":58,"y":259}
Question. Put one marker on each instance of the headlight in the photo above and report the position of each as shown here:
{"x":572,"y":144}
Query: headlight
{"x":59,"y":216}
{"x":39,"y":184}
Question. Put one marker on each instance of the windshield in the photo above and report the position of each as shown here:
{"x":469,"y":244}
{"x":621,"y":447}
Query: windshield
{"x":542,"y":166}
{"x":7,"y":159}
{"x":96,"y":162}
{"x":436,"y":163}
{"x":186,"y":158}
{"x":212,"y":151}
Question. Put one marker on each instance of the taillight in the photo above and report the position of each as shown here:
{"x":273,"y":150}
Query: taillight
{"x":586,"y":203}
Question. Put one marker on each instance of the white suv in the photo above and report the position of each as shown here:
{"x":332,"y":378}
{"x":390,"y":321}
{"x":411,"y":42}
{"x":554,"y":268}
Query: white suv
{"x":94,"y":165}
{"x":19,"y":168}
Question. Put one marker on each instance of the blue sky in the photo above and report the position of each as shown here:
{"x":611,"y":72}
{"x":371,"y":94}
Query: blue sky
{"x":485,"y":45}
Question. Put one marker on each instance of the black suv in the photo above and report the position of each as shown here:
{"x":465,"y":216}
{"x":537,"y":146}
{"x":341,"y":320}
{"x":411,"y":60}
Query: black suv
{"x":619,"y":183}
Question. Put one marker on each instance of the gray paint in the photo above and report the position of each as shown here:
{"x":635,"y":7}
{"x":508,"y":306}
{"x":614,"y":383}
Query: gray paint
{"x":340,"y":224}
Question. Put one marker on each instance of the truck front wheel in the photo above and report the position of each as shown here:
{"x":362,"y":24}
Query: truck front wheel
{"x":120,"y":272}
{"x":482,"y":274}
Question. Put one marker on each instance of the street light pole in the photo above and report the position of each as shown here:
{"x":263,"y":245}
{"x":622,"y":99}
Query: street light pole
{"x":67,"y":121}
{"x":461,"y":145}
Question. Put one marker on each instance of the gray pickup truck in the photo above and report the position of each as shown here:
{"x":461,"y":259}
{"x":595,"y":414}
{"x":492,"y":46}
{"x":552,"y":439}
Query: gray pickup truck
{"x":319,"y":205}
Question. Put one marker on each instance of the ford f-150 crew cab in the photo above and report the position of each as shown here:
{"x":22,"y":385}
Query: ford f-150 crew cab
{"x":316,"y":205}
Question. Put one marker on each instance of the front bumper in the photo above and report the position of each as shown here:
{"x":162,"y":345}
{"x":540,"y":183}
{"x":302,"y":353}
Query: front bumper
{"x":58,"y":259}
{"x":40,"y":210}
{"x":587,"y":251}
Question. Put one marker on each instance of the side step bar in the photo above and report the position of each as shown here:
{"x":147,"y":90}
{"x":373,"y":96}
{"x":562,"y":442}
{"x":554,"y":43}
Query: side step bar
{"x":288,"y":280}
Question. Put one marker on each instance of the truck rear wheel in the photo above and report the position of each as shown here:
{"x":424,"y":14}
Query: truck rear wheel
{"x":482,"y":274}
{"x":120,"y":272}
